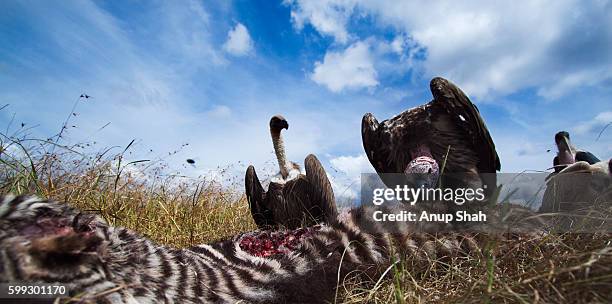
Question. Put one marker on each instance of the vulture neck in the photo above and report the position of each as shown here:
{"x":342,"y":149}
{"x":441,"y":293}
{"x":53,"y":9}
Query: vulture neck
{"x":566,"y":152}
{"x":279,"y":150}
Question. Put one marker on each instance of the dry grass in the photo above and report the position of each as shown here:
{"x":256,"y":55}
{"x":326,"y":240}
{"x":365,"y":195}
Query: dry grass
{"x":169,"y":209}
{"x":181,"y":212}
{"x":569,"y":268}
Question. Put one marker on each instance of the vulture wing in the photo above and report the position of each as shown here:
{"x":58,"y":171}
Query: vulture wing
{"x":297,"y":208}
{"x":467,"y":117}
{"x":256,"y":195}
{"x":556,"y":165}
{"x":587,"y":157}
{"x":321,"y":187}
{"x":308,"y":199}
{"x":373,"y":144}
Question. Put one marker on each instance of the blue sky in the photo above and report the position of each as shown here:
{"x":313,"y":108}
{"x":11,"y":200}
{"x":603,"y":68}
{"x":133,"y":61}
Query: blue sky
{"x":212,"y":73}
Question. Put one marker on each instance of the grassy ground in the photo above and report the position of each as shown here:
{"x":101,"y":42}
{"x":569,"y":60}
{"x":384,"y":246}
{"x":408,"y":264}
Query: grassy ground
{"x":169,"y":209}
{"x":180,"y":212}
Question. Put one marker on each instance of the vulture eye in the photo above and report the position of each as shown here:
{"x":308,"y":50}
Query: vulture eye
{"x":429,"y":171}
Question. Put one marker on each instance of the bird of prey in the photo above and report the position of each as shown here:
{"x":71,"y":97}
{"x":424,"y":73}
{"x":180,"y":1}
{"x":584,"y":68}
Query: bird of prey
{"x":292,"y":199}
{"x":567,"y":154}
{"x":445,"y":135}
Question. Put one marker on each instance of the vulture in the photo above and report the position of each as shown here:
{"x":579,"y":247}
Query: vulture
{"x":293,"y":199}
{"x":567,"y":154}
{"x":446,"y":135}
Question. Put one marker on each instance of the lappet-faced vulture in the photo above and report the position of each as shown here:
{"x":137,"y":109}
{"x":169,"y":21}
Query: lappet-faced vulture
{"x":293,"y":199}
{"x":567,"y":154}
{"x":448,"y":131}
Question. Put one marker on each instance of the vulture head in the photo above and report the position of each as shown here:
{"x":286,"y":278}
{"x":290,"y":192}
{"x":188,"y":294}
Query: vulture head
{"x":278,"y":123}
{"x":565,"y":148}
{"x":424,"y":166}
{"x":287,"y":169}
{"x":292,"y":199}
{"x":445,"y":135}
{"x":568,"y":154}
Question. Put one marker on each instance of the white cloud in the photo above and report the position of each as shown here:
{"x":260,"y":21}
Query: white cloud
{"x":519,"y":154}
{"x":600,"y":121}
{"x":352,"y":68}
{"x":346,"y":190}
{"x":397,"y":45}
{"x":220,"y":111}
{"x":568,"y":82}
{"x":239,"y":42}
{"x":346,"y":180}
{"x":488,"y":48}
{"x":184,"y":32}
{"x":352,"y":165}
{"x":328,"y":17}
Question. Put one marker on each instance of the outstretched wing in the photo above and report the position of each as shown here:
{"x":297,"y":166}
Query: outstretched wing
{"x":373,"y":144}
{"x":307,"y":199}
{"x":321,"y":188}
{"x":256,"y":195}
{"x":467,"y":117}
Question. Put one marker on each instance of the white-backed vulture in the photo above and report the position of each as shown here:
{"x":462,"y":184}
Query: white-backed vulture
{"x":293,"y":199}
{"x":448,"y":131}
{"x":567,"y":154}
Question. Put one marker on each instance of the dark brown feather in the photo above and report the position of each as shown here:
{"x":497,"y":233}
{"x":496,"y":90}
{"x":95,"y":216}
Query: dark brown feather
{"x":303,"y":201}
{"x":372,"y":143}
{"x":255,"y":196}
{"x":457,"y":104}
{"x":321,"y":187}
{"x":450,"y":125}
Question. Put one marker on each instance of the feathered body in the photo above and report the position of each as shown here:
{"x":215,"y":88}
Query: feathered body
{"x":448,"y":131}
{"x":292,"y":199}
